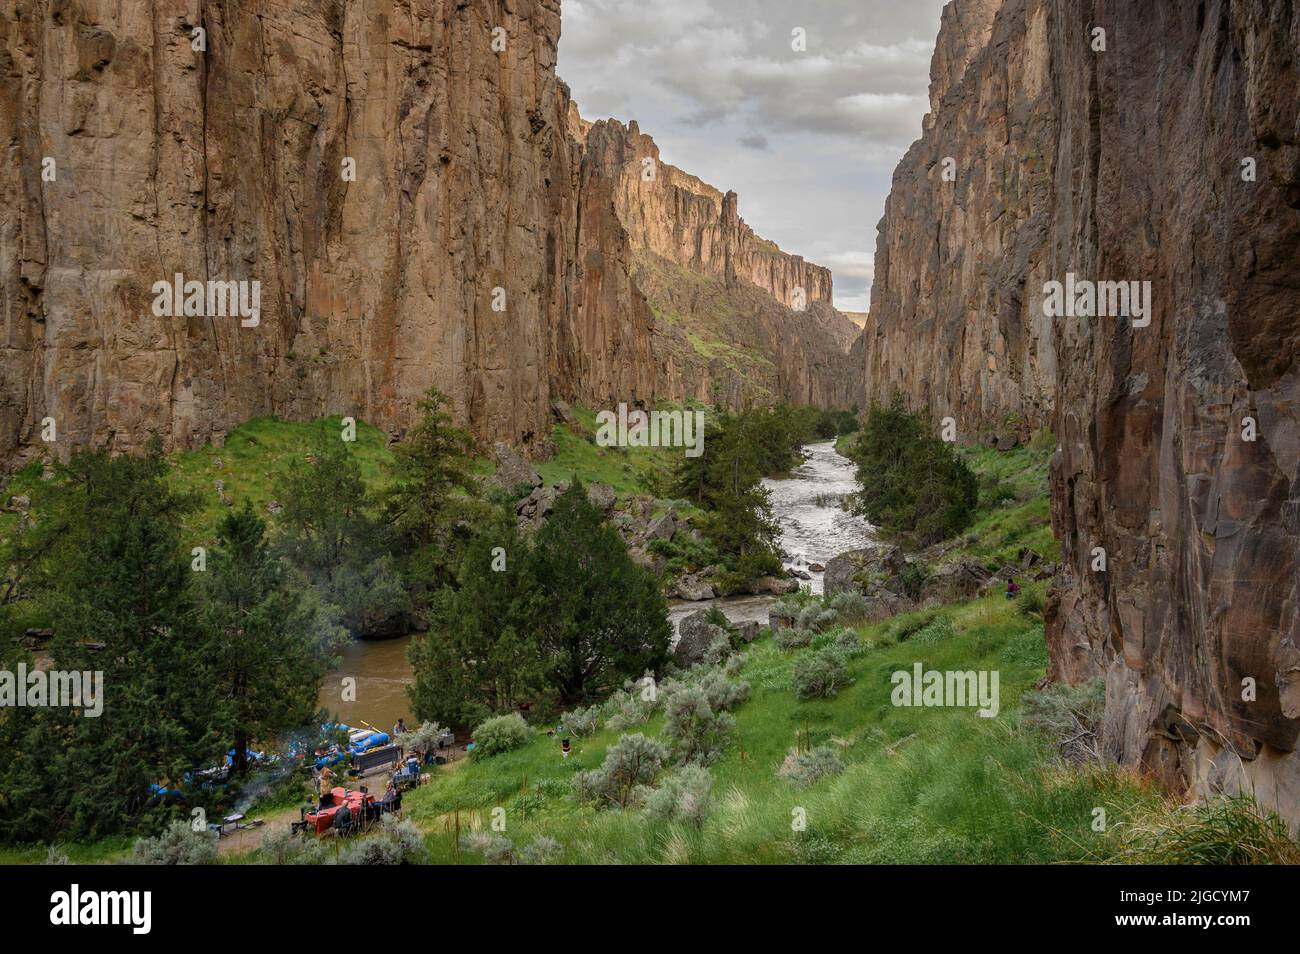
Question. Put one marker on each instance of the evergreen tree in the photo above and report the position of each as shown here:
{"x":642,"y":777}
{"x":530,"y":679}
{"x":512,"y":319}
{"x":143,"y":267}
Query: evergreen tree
{"x":119,"y":590}
{"x":327,"y":532}
{"x":267,"y":645}
{"x":431,"y":499}
{"x":913,"y":483}
{"x":604,"y":619}
{"x":480,"y":653}
{"x":324,"y":520}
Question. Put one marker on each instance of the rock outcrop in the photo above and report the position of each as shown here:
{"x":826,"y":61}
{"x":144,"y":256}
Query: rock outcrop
{"x":1170,"y":156}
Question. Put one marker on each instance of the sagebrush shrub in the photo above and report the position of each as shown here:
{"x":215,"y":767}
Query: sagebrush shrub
{"x":631,"y":761}
{"x":581,"y":722}
{"x":500,"y":734}
{"x":792,"y":638}
{"x":783,"y":614}
{"x":625,"y":709}
{"x":820,"y":673}
{"x":805,"y":768}
{"x":849,"y":606}
{"x":284,"y":847}
{"x":495,"y":849}
{"x":810,"y":616}
{"x":542,"y":850}
{"x":179,"y":844}
{"x":685,"y":795}
{"x":398,"y":842}
{"x":698,"y":731}
{"x":723,"y":693}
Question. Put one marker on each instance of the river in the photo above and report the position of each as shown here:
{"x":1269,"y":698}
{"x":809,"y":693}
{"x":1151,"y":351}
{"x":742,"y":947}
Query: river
{"x":813,"y":529}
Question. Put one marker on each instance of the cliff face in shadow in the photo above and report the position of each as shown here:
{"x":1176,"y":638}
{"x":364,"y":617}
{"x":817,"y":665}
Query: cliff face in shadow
{"x":955,"y":323}
{"x":1171,"y":157}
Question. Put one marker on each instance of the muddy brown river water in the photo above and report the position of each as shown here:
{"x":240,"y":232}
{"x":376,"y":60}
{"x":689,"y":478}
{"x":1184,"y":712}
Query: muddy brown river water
{"x":813,"y":529}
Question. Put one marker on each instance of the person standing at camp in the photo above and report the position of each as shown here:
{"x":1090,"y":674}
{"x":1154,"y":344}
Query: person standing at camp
{"x":399,"y":730}
{"x":324,"y":781}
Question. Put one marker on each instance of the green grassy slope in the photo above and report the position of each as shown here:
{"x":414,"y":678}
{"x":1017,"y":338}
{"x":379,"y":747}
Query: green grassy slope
{"x":921,"y":784}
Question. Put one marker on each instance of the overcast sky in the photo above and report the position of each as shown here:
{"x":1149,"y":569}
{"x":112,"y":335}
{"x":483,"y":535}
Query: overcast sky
{"x":808,"y":140}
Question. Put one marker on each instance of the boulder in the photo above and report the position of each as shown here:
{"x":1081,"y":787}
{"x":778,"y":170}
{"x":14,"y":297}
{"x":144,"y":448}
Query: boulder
{"x":960,"y":580}
{"x":747,"y":631}
{"x":649,"y":561}
{"x":849,"y":570}
{"x":775,"y":585}
{"x":1047,"y":571}
{"x":563,"y":413}
{"x":513,"y":469}
{"x":536,"y":507}
{"x":697,"y":640}
{"x":691,"y":587}
{"x":602,"y":497}
{"x":883,"y":603}
{"x":19,"y":503}
{"x":662,"y":527}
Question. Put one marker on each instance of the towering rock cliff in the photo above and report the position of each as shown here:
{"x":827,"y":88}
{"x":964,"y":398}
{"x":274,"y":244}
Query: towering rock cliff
{"x":405,"y":182}
{"x":1196,"y":621}
{"x":1170,"y":156}
{"x":737,"y":319}
{"x":232,"y":163}
{"x":955,"y":320}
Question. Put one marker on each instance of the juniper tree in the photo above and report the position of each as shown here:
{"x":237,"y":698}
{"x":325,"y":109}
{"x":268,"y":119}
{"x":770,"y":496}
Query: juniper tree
{"x":118,"y":589}
{"x":604,"y":619}
{"x":479,"y":654}
{"x":267,"y":644}
{"x":431,"y":500}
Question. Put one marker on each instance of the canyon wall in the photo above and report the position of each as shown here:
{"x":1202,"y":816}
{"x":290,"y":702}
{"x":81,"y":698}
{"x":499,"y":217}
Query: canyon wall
{"x":955,"y":322}
{"x":1170,"y":156}
{"x":230,"y":164}
{"x":737,"y":319}
{"x":407,"y":182}
{"x":1180,"y":441}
